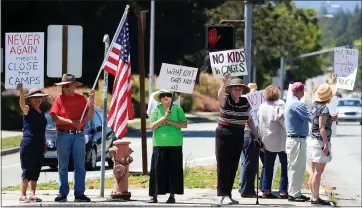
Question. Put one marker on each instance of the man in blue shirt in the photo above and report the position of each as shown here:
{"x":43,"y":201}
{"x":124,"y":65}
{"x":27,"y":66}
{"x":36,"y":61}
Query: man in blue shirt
{"x":296,"y":122}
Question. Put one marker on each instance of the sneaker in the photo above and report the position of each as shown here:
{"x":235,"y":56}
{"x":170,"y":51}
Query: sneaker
{"x":82,"y":198}
{"x":234,"y":201}
{"x":321,"y":202}
{"x":225,"y":200}
{"x":60,"y":198}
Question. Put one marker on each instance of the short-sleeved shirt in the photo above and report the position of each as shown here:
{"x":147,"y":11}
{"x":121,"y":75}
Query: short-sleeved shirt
{"x":317,"y":111}
{"x":166,"y":134}
{"x":70,"y":107}
{"x":234,"y":114}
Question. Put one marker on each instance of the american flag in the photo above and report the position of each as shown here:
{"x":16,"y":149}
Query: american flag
{"x":118,"y":64}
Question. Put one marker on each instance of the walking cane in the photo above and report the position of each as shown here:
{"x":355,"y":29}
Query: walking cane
{"x":257,"y":174}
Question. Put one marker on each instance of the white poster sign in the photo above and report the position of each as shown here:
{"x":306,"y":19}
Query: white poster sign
{"x":24,"y":60}
{"x":177,"y":78}
{"x":231,"y":61}
{"x":345,"y":66}
{"x":255,"y":99}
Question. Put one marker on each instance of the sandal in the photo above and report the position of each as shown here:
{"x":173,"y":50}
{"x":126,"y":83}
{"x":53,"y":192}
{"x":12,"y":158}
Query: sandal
{"x":35,"y":199}
{"x":269,"y":196}
{"x":23,"y":199}
{"x":321,"y":202}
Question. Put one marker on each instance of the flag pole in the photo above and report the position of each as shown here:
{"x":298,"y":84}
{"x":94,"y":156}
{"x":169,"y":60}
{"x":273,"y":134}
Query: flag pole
{"x":104,"y":124}
{"x":107,"y":55}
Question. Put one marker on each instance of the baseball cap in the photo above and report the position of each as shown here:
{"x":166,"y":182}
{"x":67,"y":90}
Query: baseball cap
{"x":297,"y":87}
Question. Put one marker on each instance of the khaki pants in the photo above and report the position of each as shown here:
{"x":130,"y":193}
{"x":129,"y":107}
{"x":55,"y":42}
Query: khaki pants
{"x":296,"y":149}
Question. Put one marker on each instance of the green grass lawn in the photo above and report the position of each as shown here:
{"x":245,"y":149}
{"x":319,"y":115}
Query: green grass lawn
{"x":196,"y":177}
{"x":10,"y":142}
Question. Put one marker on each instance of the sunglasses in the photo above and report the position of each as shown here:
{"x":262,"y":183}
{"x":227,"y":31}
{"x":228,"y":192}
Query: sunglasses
{"x":165,"y":95}
{"x":66,"y":86}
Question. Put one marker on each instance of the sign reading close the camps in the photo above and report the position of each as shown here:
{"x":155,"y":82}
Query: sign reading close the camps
{"x":230,"y":61}
{"x":177,"y":78}
{"x":345,"y":66}
{"x":24,"y":60}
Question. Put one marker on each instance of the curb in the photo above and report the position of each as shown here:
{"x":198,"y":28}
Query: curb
{"x":10,"y":151}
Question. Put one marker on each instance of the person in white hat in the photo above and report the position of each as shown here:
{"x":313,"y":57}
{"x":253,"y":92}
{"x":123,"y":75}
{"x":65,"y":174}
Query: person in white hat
{"x":32,"y":147}
{"x":152,"y":103}
{"x":319,"y":145}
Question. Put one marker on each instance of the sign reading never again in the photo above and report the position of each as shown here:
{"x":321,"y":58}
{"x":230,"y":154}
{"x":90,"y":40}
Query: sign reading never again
{"x":230,"y":61}
{"x":24,"y":60}
{"x":177,"y":78}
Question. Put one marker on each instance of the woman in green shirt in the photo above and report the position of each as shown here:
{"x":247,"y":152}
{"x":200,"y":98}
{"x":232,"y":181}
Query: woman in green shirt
{"x":166,"y":174}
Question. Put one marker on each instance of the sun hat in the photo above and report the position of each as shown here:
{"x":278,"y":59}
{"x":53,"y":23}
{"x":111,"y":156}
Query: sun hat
{"x":297,"y":87}
{"x":68,"y":79}
{"x":237,"y":82}
{"x":33,"y":92}
{"x":156,"y":96}
{"x":324,"y":92}
{"x":253,"y":87}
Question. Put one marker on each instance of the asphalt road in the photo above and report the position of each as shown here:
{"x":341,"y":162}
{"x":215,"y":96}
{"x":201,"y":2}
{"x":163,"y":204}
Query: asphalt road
{"x":344,"y":171}
{"x":198,"y":150}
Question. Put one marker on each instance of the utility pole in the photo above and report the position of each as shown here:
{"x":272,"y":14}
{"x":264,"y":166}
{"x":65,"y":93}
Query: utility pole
{"x":248,"y":8}
{"x":152,"y":49}
{"x":281,"y":73}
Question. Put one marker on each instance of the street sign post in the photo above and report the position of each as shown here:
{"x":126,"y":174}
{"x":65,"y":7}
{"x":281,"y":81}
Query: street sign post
{"x":65,"y":47}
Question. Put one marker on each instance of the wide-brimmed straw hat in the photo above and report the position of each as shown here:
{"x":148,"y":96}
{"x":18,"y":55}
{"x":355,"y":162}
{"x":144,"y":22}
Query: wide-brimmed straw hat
{"x":156,"y":96}
{"x":36,"y":93}
{"x":253,"y":86}
{"x":68,"y":79}
{"x":324,"y":92}
{"x":237,"y":82}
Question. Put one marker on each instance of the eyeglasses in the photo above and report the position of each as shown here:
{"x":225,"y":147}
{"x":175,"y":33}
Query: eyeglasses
{"x":165,"y":95}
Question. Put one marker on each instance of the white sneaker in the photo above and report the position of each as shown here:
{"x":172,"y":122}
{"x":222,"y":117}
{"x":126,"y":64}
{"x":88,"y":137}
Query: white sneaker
{"x":225,"y":200}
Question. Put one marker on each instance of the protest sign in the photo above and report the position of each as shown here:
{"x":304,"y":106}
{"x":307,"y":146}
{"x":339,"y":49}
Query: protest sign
{"x":255,"y":99}
{"x":231,"y":61}
{"x":24,"y":60}
{"x":177,"y":78}
{"x":345,"y":67}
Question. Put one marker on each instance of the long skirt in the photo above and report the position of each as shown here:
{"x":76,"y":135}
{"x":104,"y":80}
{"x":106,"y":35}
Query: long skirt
{"x":166,"y":174}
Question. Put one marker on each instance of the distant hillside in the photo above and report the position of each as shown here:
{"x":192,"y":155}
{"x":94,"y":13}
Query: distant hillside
{"x":345,"y":5}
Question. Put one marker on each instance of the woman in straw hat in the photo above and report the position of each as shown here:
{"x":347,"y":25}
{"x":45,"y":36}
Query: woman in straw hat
{"x":166,"y":174}
{"x":234,"y":114}
{"x":32,"y":147}
{"x":66,"y":113}
{"x":319,"y":146}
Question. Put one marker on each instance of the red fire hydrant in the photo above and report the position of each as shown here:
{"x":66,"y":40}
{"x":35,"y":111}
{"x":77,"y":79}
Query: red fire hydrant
{"x":121,"y":157}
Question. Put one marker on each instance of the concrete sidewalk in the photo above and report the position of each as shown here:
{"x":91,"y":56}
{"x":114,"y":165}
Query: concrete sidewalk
{"x":191,"y":198}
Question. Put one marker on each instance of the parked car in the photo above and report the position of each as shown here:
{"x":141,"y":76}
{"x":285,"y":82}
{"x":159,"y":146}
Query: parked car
{"x":93,"y":140}
{"x":349,"y":109}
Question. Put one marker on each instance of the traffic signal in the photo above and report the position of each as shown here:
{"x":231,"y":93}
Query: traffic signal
{"x":220,"y":37}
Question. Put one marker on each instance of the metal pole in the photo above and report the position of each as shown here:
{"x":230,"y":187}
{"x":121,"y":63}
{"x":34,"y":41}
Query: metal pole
{"x":247,"y":38}
{"x":152,"y":48}
{"x":254,"y":65}
{"x":281,"y":74}
{"x":141,"y":32}
{"x":104,"y":124}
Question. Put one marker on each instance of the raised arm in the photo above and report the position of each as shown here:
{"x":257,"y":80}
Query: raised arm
{"x":24,"y":108}
{"x":221,"y":92}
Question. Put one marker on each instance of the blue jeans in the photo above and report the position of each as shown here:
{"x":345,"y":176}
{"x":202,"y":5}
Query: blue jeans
{"x":242,"y":166}
{"x":269,"y":161}
{"x":75,"y":144}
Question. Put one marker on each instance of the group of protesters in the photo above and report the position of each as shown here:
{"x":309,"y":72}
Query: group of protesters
{"x":281,"y":130}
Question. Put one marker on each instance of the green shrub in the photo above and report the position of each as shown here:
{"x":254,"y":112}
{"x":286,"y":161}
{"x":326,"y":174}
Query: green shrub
{"x":187,"y":102}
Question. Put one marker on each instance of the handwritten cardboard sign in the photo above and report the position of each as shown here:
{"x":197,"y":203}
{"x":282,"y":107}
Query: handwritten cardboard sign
{"x":255,"y":99}
{"x":177,"y":78}
{"x":24,"y":60}
{"x":345,"y":66}
{"x":230,"y":61}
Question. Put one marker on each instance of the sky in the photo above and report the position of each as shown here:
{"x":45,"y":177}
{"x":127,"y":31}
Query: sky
{"x":349,"y":5}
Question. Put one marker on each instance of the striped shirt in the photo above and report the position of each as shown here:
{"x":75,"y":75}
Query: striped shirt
{"x":234,"y":114}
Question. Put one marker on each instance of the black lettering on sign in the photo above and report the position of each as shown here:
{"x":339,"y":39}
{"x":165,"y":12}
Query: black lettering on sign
{"x":218,"y":58}
{"x":348,"y":82}
{"x":174,"y":87}
{"x":188,"y":73}
{"x":174,"y":72}
{"x":187,"y":81}
{"x":217,"y":71}
{"x":176,"y":79}
{"x":25,"y":80}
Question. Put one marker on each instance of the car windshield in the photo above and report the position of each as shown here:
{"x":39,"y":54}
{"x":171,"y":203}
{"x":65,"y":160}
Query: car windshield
{"x":51,"y":124}
{"x":354,"y":103}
